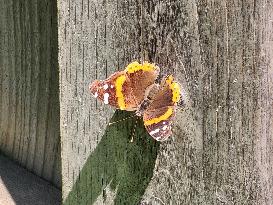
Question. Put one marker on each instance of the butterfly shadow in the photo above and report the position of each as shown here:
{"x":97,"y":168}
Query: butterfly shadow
{"x":126,"y":167}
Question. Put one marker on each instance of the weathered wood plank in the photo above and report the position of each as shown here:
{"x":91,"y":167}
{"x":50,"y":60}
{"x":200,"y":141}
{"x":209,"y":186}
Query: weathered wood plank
{"x":221,"y":52}
{"x":29,"y":105}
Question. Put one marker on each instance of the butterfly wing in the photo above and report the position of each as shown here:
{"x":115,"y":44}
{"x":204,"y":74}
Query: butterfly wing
{"x":141,"y":77}
{"x":159,"y":115}
{"x":125,"y":90}
{"x":158,"y":122}
{"x":105,"y":90}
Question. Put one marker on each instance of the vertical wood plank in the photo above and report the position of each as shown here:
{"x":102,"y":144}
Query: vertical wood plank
{"x":221,"y":52}
{"x":29,"y":105}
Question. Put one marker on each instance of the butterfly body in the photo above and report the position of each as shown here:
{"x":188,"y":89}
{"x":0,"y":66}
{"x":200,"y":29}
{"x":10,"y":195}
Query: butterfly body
{"x":134,"y":89}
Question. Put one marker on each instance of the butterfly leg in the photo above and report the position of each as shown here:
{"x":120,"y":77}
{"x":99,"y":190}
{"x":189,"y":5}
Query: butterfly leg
{"x":134,"y":130}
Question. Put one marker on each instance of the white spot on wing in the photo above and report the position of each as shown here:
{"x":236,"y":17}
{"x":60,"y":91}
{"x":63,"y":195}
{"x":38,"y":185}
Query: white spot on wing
{"x":165,"y":127}
{"x":112,"y":86}
{"x":158,"y":138}
{"x":154,"y":131}
{"x":106,"y":98}
{"x":164,"y":123}
{"x":105,"y":86}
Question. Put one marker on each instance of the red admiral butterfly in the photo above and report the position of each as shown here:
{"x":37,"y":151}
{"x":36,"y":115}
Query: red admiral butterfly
{"x":134,"y":89}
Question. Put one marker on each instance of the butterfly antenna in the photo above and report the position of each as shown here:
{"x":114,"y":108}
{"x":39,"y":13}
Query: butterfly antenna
{"x":134,"y":130}
{"x":121,"y":120}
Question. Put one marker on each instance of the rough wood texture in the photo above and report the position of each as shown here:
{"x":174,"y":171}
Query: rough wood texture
{"x":221,"y":51}
{"x":29,"y":102}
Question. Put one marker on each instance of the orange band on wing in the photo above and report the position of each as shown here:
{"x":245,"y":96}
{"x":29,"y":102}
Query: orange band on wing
{"x":135,"y":66}
{"x":119,"y":83}
{"x":175,"y":89}
{"x":165,"y":116}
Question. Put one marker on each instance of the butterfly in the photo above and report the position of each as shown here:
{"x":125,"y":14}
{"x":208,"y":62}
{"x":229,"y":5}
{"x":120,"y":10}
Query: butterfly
{"x":135,"y":89}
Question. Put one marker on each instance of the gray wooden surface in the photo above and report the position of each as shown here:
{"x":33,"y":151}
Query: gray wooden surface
{"x":29,"y":102}
{"x":221,"y":52}
{"x":20,"y":187}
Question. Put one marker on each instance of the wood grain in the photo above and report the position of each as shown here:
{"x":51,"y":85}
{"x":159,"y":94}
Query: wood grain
{"x":29,"y":96}
{"x":221,"y":52}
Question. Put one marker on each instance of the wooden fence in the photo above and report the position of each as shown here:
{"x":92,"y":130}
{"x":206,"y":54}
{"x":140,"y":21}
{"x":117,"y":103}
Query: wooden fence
{"x":220,"y":51}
